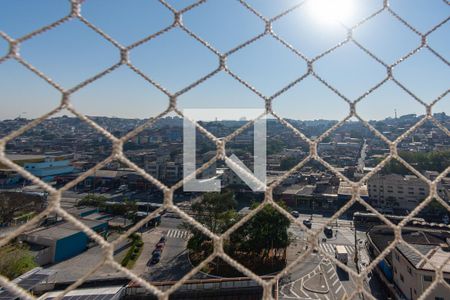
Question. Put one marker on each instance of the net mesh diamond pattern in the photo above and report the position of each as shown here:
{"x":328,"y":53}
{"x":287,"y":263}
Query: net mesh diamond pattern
{"x":168,"y":191}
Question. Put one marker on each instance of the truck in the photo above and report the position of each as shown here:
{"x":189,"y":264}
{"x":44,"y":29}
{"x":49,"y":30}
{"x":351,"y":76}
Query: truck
{"x":341,"y":254}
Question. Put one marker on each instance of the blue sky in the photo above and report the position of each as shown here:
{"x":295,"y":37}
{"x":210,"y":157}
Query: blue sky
{"x":72,"y":52}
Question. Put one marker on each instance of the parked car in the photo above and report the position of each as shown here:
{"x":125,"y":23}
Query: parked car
{"x":157,"y":251}
{"x":295,"y":214}
{"x":328,"y":231}
{"x":307,"y":223}
{"x":156,"y":258}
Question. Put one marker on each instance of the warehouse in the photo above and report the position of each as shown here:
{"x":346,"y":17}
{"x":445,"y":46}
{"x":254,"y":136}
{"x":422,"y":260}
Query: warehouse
{"x":62,"y":241}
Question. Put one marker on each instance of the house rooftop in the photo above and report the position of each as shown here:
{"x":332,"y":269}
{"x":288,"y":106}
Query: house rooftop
{"x":436,"y":256}
{"x":62,"y":230}
{"x":299,"y":190}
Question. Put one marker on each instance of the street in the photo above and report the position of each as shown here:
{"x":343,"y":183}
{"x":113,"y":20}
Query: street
{"x":316,"y":277}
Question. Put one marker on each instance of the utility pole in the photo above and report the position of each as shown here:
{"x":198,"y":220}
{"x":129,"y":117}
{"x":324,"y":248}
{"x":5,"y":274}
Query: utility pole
{"x":356,"y":247}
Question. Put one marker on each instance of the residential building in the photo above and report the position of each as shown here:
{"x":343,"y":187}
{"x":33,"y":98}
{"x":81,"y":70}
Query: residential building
{"x":391,"y":191}
{"x":407,"y":273}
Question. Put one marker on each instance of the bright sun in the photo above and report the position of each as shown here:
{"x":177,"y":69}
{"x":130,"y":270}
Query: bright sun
{"x":330,"y":11}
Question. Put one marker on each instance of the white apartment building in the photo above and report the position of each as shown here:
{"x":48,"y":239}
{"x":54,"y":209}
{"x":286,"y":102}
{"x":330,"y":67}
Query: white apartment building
{"x":404,"y":191}
{"x":412,"y":274}
{"x":394,"y":190}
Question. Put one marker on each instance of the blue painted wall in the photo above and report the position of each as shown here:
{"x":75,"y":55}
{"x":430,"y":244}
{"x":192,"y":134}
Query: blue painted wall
{"x":386,"y":270}
{"x":75,"y":244}
{"x":70,"y":246}
{"x":49,"y":168}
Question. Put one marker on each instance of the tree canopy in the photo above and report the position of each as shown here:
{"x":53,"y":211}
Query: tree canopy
{"x":422,"y":161}
{"x":119,"y":208}
{"x":15,"y":260}
{"x":264,"y":236}
{"x":266,"y":232}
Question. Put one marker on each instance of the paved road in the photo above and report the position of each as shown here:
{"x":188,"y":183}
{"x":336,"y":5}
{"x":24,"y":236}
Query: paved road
{"x":174,"y":262}
{"x":337,"y":281}
{"x":324,"y":274}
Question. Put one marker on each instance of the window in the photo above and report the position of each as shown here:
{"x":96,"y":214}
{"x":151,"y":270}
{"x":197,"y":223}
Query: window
{"x":397,"y":257}
{"x":427,"y":278}
{"x":409,"y":270}
{"x":395,"y":270}
{"x":402,"y":278}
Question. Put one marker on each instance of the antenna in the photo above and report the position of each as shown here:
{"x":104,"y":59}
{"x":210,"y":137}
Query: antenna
{"x":395,"y":113}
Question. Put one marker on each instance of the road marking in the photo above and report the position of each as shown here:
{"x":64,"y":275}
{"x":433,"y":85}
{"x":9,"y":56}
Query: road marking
{"x":350,"y":249}
{"x":338,"y":289}
{"x":336,"y":281}
{"x":293,"y":293}
{"x":178,"y":234}
{"x":330,"y":270}
{"x":333,"y":275}
{"x":329,"y":248}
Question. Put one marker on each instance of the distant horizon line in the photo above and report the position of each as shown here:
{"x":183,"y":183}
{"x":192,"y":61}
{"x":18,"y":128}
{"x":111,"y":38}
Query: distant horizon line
{"x":240,"y":119}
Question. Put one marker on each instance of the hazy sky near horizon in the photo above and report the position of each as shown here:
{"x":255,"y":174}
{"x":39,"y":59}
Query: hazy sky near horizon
{"x":71,"y":53}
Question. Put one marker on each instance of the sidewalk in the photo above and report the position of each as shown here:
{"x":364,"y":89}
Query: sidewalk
{"x":294,"y":250}
{"x":150,"y":239}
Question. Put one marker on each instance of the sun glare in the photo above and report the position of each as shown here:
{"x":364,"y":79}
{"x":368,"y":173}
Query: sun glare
{"x":331,"y":11}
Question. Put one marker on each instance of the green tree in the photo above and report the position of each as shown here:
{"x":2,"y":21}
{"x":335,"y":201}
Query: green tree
{"x":127,"y":207}
{"x":217,"y":212}
{"x":93,"y":200}
{"x":12,"y":204}
{"x":15,"y":260}
{"x":265,"y":234}
{"x":422,"y":161}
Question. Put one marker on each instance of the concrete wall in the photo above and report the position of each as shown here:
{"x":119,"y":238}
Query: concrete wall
{"x":44,"y":256}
